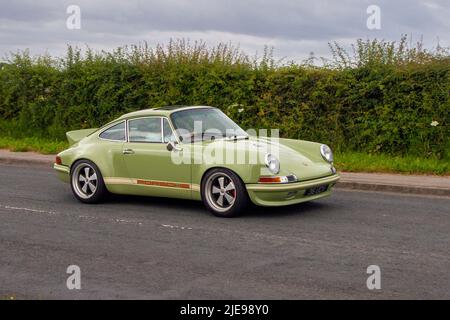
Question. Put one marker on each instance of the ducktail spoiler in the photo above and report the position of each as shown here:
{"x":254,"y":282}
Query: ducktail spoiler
{"x":76,"y":135}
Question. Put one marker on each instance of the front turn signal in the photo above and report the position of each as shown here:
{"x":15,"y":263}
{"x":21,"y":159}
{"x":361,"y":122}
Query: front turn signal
{"x":278,"y":179}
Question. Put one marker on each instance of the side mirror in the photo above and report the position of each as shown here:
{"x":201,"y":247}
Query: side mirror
{"x":172,"y":146}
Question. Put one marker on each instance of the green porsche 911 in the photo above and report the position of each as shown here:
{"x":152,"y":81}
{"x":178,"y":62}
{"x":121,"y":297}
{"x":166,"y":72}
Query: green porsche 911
{"x":194,"y":152}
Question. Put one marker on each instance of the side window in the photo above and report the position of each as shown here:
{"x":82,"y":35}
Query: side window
{"x":145,"y":130}
{"x":168,"y":133}
{"x":116,"y":132}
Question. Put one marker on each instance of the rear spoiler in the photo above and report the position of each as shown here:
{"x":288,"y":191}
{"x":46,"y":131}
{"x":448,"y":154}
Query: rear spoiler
{"x":76,"y":135}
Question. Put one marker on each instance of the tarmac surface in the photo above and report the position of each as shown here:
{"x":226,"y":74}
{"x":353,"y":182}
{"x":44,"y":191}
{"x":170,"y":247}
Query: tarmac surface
{"x":154,"y":248}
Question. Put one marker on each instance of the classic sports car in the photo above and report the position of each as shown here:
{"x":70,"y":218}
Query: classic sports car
{"x":162,"y":152}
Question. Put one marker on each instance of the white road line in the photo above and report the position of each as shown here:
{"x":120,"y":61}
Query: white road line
{"x":84,"y":217}
{"x":28,"y":209}
{"x":175,"y":227}
{"x":91,"y":218}
{"x":128,"y":221}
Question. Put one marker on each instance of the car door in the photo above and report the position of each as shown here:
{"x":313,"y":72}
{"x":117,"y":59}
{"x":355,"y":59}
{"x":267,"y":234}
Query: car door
{"x":149,"y":162}
{"x":108,"y":152}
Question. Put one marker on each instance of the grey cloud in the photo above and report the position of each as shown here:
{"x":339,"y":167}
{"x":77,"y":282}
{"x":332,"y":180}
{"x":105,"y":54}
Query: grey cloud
{"x":295,"y":27}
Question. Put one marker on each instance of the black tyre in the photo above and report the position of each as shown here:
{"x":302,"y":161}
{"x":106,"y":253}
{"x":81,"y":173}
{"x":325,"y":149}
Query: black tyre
{"x":87,"y":182}
{"x":223,"y":193}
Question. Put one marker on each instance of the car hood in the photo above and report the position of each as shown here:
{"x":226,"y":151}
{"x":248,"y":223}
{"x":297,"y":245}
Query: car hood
{"x":300,"y":159}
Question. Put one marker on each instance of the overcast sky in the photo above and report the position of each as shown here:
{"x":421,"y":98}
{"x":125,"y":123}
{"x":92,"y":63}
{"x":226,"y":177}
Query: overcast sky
{"x":293,"y":27}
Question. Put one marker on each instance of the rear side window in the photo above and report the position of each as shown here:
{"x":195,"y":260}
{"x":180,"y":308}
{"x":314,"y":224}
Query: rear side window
{"x":116,"y":132}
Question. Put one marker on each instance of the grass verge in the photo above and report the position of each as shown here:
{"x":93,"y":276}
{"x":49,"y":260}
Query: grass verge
{"x":363,"y":162}
{"x":44,"y":146}
{"x":345,"y":161}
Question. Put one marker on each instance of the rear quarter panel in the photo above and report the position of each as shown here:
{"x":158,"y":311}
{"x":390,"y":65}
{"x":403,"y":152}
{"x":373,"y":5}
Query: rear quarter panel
{"x":107,"y":155}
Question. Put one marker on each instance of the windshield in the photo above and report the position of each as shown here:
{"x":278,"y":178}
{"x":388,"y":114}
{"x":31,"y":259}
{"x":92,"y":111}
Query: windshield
{"x":205,"y":123}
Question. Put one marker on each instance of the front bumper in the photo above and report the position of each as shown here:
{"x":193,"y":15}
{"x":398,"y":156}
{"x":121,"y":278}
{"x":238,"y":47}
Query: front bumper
{"x":289,"y":193}
{"x":62,"y":171}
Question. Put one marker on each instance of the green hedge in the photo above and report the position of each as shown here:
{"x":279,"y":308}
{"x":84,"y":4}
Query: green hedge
{"x":365,"y":103}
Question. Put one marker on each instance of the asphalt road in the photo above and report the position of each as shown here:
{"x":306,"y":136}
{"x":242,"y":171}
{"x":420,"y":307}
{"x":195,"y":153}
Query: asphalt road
{"x":147,"y":248}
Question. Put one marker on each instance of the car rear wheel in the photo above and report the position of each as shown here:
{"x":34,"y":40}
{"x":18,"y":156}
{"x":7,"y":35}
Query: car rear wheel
{"x":87,"y":182}
{"x":223,"y":193}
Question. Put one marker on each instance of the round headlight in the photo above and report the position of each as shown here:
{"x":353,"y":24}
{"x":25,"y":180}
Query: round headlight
{"x":326,"y":152}
{"x":272,"y":163}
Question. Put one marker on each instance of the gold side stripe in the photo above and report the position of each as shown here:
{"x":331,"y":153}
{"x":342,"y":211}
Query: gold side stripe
{"x":152,"y":183}
{"x":167,"y":184}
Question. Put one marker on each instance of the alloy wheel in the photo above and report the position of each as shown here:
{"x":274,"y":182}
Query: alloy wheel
{"x":84,"y":180}
{"x":220,"y":191}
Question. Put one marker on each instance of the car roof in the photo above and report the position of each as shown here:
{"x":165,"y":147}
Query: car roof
{"x":161,"y":111}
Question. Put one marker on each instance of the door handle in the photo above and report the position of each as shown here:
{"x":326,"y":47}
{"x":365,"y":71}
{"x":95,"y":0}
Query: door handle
{"x":127,"y":151}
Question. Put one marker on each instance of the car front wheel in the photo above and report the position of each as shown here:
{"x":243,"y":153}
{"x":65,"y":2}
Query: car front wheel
{"x":223,"y":193}
{"x":87,"y":182}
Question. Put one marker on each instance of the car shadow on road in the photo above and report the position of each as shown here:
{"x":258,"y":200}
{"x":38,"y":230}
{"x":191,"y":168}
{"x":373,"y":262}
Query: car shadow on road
{"x":170,"y":203}
{"x":304,"y":209}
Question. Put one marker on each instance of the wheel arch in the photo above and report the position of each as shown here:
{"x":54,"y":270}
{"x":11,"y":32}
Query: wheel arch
{"x":219,"y":167}
{"x":83,"y":159}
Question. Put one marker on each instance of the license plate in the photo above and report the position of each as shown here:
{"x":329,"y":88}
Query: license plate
{"x":316,"y":190}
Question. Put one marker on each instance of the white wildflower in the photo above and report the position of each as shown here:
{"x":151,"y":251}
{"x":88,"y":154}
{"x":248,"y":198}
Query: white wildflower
{"x":434,"y":123}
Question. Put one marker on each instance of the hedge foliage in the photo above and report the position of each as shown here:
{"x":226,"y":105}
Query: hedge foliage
{"x":382,"y":99}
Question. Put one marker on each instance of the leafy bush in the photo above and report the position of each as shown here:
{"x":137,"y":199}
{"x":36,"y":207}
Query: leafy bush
{"x":382,"y":99}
